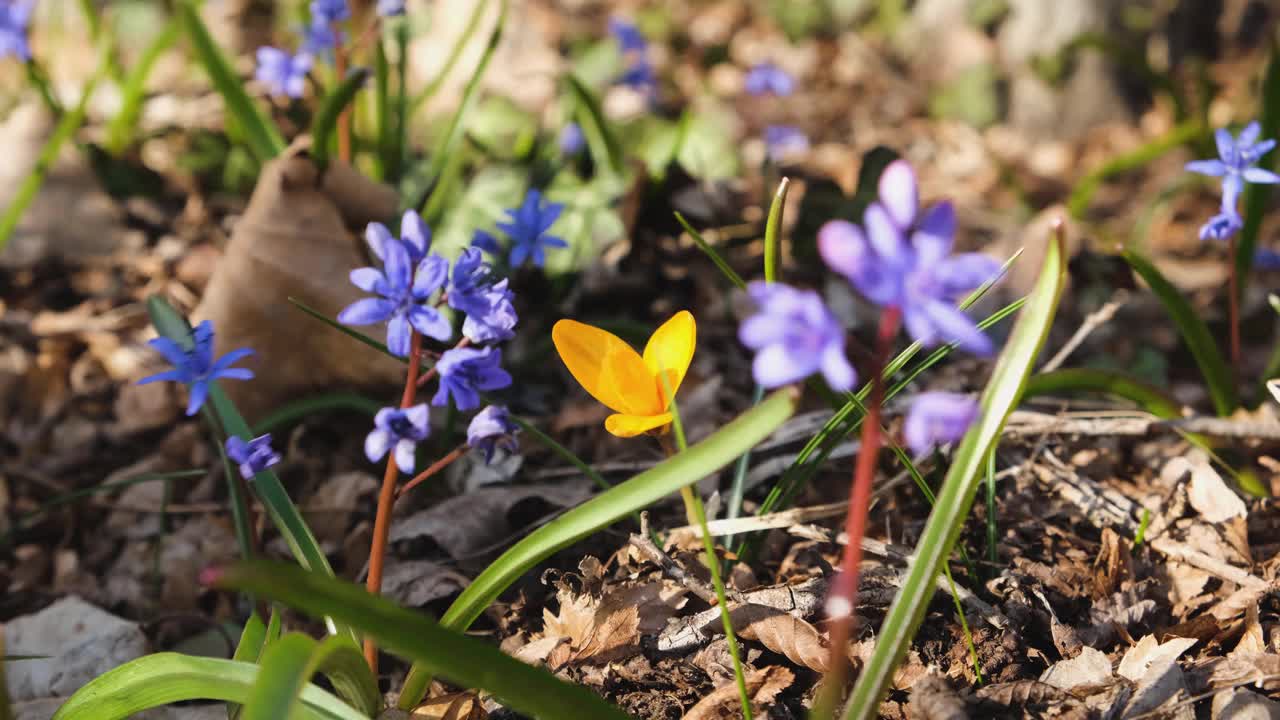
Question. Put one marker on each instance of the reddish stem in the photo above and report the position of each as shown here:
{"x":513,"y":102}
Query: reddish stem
{"x":843,"y":599}
{"x":387,"y":497}
{"x":436,"y":467}
{"x":1233,"y":303}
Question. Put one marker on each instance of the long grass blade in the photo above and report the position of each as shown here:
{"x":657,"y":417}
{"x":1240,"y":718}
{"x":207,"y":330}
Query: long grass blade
{"x":602,"y":143}
{"x":1257,"y":196}
{"x":123,"y":126}
{"x":326,"y":119}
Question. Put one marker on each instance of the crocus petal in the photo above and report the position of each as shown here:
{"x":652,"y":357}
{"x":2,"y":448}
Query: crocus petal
{"x":1222,"y":137}
{"x":398,"y":335}
{"x":633,"y":425}
{"x":404,"y":456}
{"x":1260,"y":176}
{"x":774,"y":367}
{"x":369,"y":280}
{"x":1212,"y":168}
{"x":430,"y":276}
{"x":430,"y":322}
{"x":843,"y":247}
{"x":885,"y":237}
{"x":199,"y":393}
{"x":954,"y":326}
{"x":607,"y":368}
{"x":669,"y":351}
{"x":415,"y":232}
{"x":367,"y":311}
{"x":836,"y":369}
{"x":898,"y":194}
{"x":377,"y":237}
{"x":376,"y":444}
{"x":932,"y":237}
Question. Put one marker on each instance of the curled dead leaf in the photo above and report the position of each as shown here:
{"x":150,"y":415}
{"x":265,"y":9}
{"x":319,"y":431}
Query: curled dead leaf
{"x":782,"y":633}
{"x":762,"y":687}
{"x":932,"y":698}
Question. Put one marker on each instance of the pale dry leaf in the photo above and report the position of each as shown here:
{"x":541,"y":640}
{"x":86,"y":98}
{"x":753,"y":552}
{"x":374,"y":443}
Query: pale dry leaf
{"x":1252,"y":640}
{"x":536,"y":652}
{"x":933,"y":698}
{"x":1242,"y":704}
{"x":1161,"y":686}
{"x":441,"y":705}
{"x":1151,"y":652}
{"x":1209,"y":494}
{"x":297,"y":238}
{"x":723,"y":703}
{"x":1090,"y":667}
{"x":782,"y":633}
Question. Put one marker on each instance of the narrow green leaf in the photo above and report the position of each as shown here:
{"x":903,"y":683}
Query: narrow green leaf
{"x":434,"y":648}
{"x":121,"y":128}
{"x":326,"y":118}
{"x":1194,"y":333}
{"x":605,"y":149}
{"x":67,"y":126}
{"x":1015,"y":364}
{"x":1082,"y":193}
{"x":163,"y":678}
{"x":705,"y":247}
{"x":455,"y":53}
{"x":263,"y":136}
{"x":452,"y":138}
{"x":1075,"y":380}
{"x":294,"y":412}
{"x":648,"y":487}
{"x":1257,"y":196}
{"x":289,"y":663}
{"x":772,"y":231}
{"x":252,"y":639}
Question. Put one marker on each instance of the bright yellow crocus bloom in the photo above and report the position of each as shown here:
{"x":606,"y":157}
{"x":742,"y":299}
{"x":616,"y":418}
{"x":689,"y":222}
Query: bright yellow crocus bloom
{"x":630,"y":385}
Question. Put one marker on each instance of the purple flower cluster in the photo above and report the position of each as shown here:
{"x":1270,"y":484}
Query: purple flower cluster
{"x":526,"y":229}
{"x":768,"y":79}
{"x":899,"y":259}
{"x":1236,"y":164}
{"x":15,"y":17}
{"x":399,"y":431}
{"x":194,"y":366}
{"x":282,"y":72}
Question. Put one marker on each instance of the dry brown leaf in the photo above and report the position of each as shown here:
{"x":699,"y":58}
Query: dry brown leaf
{"x":932,"y":698}
{"x":782,"y":633}
{"x":1150,"y":652}
{"x":1021,"y":693}
{"x":296,"y":240}
{"x":602,"y":630}
{"x":1090,"y":667}
{"x":441,"y":705}
{"x":762,"y":687}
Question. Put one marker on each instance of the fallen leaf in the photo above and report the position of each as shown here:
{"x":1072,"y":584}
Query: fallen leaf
{"x":723,"y":703}
{"x":1090,"y":667}
{"x":782,"y":633}
{"x":1242,"y":704}
{"x":1207,"y":491}
{"x":1151,"y":652}
{"x":932,"y":698}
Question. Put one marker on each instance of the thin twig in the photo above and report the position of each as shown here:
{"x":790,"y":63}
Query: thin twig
{"x":1095,"y":320}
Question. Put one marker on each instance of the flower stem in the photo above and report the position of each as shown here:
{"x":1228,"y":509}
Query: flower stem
{"x":436,"y":467}
{"x":843,"y":599}
{"x":1233,"y":303}
{"x":387,"y":498}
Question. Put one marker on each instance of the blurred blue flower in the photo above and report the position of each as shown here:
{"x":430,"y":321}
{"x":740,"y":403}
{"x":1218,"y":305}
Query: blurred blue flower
{"x":938,"y":418}
{"x":794,"y":335}
{"x":1222,"y":226}
{"x":904,"y":261}
{"x":527,"y":229}
{"x":1235,"y":163}
{"x":320,"y":39}
{"x":281,"y":72}
{"x":466,"y":372}
{"x":254,"y":456}
{"x":414,"y":235}
{"x":490,"y":429}
{"x":15,"y":17}
{"x":471,"y":280}
{"x":405,"y":291}
{"x":330,"y":11}
{"x":1266,"y":259}
{"x":390,"y":8}
{"x":639,"y":76}
{"x":571,"y":139}
{"x":629,"y":37}
{"x":782,"y":141}
{"x":768,"y":79}
{"x":401,"y":430}
{"x":498,"y":320}
{"x":195,"y":367}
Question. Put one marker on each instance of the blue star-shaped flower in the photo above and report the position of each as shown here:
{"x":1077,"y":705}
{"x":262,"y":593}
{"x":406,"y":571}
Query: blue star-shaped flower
{"x":405,"y":287}
{"x":330,"y":11}
{"x":466,"y":372}
{"x":629,"y":37}
{"x":281,"y":72}
{"x":15,"y":16}
{"x":1235,"y":164}
{"x":490,"y":429}
{"x":527,"y":229}
{"x":253,"y":456}
{"x":768,"y":79}
{"x":195,"y":367}
{"x":399,"y":431}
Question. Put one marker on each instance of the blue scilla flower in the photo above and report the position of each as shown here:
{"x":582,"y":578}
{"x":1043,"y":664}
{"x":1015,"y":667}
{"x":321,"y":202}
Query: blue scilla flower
{"x":571,"y":140}
{"x":320,"y":39}
{"x":194,"y":366}
{"x":390,"y":8}
{"x":1235,"y":164}
{"x":768,"y":79}
{"x":639,"y":76}
{"x":414,"y":235}
{"x":330,"y":11}
{"x":938,"y":418}
{"x":527,"y":228}
{"x":472,"y":277}
{"x":1222,"y":226}
{"x":496,"y":322}
{"x":629,"y":37}
{"x":467,"y":372}
{"x":490,"y":429}
{"x":400,"y":431}
{"x":405,"y":291}
{"x":783,"y":141}
{"x":901,"y":258}
{"x":283,"y":73}
{"x":15,"y":17}
{"x":794,"y":335}
{"x":253,"y":456}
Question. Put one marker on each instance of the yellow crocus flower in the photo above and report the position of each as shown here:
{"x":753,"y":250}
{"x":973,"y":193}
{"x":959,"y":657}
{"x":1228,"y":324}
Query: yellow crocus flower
{"x":630,"y":385}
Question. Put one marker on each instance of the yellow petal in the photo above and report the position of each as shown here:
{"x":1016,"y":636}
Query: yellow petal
{"x":606,"y":367}
{"x":670,"y":350}
{"x":633,"y":425}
